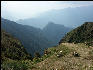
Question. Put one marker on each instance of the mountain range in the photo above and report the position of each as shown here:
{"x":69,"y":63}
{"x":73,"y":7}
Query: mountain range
{"x":35,"y":39}
{"x":14,"y":55}
{"x":32,"y":38}
{"x":70,"y":17}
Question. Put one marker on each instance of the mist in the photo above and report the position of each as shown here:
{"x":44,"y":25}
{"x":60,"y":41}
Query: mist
{"x":15,"y":10}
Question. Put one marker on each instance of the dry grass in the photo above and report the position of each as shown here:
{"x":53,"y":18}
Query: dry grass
{"x":69,"y":62}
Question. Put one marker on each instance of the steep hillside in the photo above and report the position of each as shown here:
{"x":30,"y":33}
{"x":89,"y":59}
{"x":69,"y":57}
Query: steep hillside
{"x":83,"y":33}
{"x":54,"y":32}
{"x":32,"y":38}
{"x":11,"y":48}
{"x":70,"y":17}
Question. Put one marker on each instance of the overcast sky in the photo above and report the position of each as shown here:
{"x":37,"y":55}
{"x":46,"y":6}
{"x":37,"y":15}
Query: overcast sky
{"x":31,"y":9}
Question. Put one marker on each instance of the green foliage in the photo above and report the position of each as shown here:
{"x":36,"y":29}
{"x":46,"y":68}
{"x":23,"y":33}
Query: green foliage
{"x":14,"y":65}
{"x":32,"y":38}
{"x":36,"y":60}
{"x":12,"y":48}
{"x":84,"y":33}
{"x":65,"y":50}
{"x":55,"y":50}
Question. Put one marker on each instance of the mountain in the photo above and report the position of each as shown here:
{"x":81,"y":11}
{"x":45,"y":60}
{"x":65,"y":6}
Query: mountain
{"x":32,"y":38}
{"x":54,"y":32}
{"x":70,"y":17}
{"x":81,"y":34}
{"x":11,"y":48}
{"x":75,"y":51}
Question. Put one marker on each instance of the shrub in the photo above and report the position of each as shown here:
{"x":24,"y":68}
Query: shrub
{"x":36,"y":60}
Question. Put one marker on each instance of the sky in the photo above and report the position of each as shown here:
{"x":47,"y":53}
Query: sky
{"x":16,"y":10}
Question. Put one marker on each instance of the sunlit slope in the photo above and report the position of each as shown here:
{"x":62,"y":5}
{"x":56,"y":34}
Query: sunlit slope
{"x":68,"y":61}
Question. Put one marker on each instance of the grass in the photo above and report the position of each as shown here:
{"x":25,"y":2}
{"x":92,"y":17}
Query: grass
{"x":67,"y":61}
{"x":51,"y":61}
{"x":14,"y":65}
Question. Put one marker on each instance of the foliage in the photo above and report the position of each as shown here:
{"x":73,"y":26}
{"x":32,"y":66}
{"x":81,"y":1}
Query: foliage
{"x":56,"y":50}
{"x":12,"y":48}
{"x":14,"y":65}
{"x":32,"y":38}
{"x":83,"y":33}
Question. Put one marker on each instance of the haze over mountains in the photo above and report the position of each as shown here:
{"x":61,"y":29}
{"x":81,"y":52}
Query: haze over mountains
{"x":40,"y":33}
{"x":35,"y":39}
{"x":32,"y":38}
{"x":59,"y":37}
{"x":64,"y":20}
{"x":70,"y":17}
{"x":12,"y":49}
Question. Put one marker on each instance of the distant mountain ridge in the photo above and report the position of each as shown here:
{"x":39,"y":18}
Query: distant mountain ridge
{"x":70,"y":17}
{"x":54,"y":32}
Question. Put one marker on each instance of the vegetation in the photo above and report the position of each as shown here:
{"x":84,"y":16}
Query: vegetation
{"x":52,"y":51}
{"x":70,"y":55}
{"x":12,"y":53}
{"x":32,"y":38}
{"x":61,"y":57}
{"x":12,"y":48}
{"x":14,"y":65}
{"x":82,"y":34}
{"x":82,"y":59}
{"x":14,"y":56}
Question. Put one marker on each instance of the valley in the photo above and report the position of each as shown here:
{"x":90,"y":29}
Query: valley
{"x":35,"y":39}
{"x":73,"y":52}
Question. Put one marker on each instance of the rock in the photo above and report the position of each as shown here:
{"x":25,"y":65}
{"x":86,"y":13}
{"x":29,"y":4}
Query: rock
{"x":59,"y":54}
{"x":60,"y":51}
{"x":46,"y":52}
{"x":76,"y":54}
